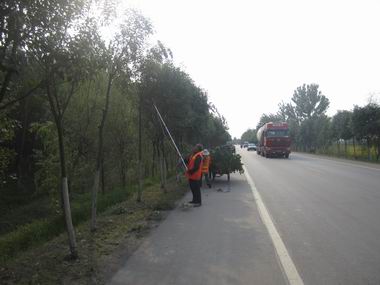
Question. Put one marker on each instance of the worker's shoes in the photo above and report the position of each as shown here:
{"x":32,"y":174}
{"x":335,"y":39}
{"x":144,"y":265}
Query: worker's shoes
{"x":197,"y":204}
{"x":209,"y":185}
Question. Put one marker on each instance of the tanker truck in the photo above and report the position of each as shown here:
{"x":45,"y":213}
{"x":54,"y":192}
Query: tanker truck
{"x":273,"y":140}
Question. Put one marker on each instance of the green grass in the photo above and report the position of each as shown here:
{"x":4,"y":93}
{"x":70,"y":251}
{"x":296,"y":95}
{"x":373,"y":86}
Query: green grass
{"x":11,"y":218}
{"x":120,"y":228}
{"x":28,"y":235}
{"x":360,"y":153}
{"x":32,"y":231}
{"x":41,"y":230}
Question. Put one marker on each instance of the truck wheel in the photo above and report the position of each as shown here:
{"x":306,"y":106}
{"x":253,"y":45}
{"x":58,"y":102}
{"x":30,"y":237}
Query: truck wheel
{"x":287,"y":155}
{"x":228,"y":177}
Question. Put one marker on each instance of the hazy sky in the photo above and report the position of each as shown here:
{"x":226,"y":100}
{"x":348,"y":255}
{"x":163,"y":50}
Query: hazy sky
{"x":251,"y":55}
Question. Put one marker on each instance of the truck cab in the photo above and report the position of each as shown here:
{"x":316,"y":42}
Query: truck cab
{"x":274,"y":140}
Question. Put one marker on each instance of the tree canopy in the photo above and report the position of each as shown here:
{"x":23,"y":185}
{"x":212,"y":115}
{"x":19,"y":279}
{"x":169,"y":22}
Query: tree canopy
{"x":76,"y":103}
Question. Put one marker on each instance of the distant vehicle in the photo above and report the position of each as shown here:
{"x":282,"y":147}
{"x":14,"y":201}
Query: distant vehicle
{"x":245,"y":144}
{"x":274,"y":140}
{"x":251,"y":146}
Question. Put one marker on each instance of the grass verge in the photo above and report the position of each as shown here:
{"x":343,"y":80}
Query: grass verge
{"x":359,"y":153}
{"x":41,"y":230}
{"x":120,"y":226}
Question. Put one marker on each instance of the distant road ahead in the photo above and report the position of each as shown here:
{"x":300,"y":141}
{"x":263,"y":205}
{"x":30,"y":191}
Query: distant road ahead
{"x":327,"y":212}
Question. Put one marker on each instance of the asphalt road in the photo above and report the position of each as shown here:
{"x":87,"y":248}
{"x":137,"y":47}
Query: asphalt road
{"x":326,"y":211}
{"x":224,"y":242}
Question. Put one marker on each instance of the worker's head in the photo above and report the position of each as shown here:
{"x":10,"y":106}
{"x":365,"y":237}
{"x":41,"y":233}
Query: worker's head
{"x":197,"y":148}
{"x":206,"y":152}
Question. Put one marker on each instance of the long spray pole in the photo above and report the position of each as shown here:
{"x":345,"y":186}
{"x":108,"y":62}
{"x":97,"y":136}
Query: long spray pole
{"x":167,"y":130}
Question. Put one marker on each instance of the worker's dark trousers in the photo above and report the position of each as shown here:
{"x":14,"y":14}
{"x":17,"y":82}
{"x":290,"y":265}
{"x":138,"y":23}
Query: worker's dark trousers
{"x":195,"y":186}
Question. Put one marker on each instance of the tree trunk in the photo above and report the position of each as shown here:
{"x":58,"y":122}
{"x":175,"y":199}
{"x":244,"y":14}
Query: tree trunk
{"x":345,"y":148}
{"x":162,"y":166}
{"x":338,"y":145}
{"x":4,"y":85}
{"x":68,"y":218}
{"x":95,"y":189}
{"x":161,"y":172}
{"x":123,"y":173}
{"x":65,"y":200}
{"x":353,"y":142}
{"x":65,"y":193}
{"x":140,"y":187}
{"x":369,"y":148}
{"x":153,"y":157}
{"x":161,"y":152}
{"x":165,"y":164}
{"x":9,"y":73}
{"x":170,"y":161}
{"x":165,"y":170}
{"x":71,"y":171}
{"x":23,"y":160}
{"x":362,"y":149}
{"x":103,"y":182}
{"x":99,"y":158}
{"x":123,"y":164}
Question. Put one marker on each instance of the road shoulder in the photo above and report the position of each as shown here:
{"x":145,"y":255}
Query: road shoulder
{"x":351,"y":162}
{"x":222,"y":242}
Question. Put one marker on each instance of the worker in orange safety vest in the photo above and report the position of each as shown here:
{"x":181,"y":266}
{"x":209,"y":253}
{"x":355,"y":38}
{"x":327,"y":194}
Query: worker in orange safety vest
{"x":206,"y":167}
{"x":194,"y":174}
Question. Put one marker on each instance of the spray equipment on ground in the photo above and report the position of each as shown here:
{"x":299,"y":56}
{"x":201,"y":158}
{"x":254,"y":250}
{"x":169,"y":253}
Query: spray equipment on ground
{"x":170,"y":136}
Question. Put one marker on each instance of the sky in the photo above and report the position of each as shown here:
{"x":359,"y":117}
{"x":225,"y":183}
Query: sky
{"x":251,"y":55}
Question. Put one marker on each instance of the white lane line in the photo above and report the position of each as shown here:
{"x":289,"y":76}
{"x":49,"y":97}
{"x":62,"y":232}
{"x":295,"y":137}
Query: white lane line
{"x":286,"y":261}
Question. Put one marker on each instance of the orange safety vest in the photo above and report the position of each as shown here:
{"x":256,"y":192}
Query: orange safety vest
{"x":206,"y":163}
{"x":197,"y":175}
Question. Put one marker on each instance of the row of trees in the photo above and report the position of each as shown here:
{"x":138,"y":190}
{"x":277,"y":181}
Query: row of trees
{"x":77,"y":104}
{"x":312,"y":130}
{"x":249,"y":135}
